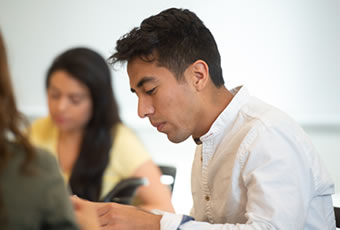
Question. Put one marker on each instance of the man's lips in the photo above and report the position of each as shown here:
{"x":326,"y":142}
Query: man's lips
{"x":158,"y":125}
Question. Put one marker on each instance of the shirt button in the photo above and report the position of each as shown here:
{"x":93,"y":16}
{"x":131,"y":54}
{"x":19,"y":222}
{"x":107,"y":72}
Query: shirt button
{"x":207,"y":198}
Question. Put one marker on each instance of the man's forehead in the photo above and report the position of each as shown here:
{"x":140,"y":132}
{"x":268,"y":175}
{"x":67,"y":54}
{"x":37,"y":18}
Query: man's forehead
{"x":138,"y":68}
{"x":140,"y":61}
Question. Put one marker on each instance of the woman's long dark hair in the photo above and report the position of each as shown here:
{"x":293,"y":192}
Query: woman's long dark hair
{"x":11,"y":120}
{"x":91,"y":69}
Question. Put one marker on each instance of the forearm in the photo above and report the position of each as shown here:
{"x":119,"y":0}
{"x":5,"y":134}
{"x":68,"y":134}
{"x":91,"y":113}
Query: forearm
{"x":152,"y":222}
{"x":154,"y":195}
{"x":125,"y":217}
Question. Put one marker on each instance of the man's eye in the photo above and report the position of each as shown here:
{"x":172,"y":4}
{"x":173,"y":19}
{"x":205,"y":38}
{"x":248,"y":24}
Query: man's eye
{"x":151,"y":91}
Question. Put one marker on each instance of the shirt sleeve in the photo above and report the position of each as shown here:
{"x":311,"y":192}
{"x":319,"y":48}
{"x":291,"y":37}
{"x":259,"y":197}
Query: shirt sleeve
{"x":58,"y":210}
{"x":43,"y":134}
{"x":128,"y":152}
{"x":279,"y":180}
{"x":171,"y":220}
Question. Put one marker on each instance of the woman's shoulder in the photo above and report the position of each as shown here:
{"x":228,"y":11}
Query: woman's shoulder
{"x":128,"y":152}
{"x":44,"y":190}
{"x":42,"y":124}
{"x":127,"y":142}
{"x":126,"y":137}
{"x":42,"y":131}
{"x":123,"y":131}
{"x":42,"y":161}
{"x":45,"y":160}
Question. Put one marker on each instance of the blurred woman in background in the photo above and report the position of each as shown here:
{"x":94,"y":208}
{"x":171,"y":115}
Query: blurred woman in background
{"x":32,"y":191}
{"x":83,"y":130}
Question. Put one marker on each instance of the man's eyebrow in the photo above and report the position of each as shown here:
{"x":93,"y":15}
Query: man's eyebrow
{"x":142,"y":82}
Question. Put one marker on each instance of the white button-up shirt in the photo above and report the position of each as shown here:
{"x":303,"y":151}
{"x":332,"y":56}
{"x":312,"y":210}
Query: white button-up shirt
{"x":257,"y":169}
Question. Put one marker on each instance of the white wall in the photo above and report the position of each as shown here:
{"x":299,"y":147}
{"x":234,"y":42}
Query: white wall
{"x":287,"y":52}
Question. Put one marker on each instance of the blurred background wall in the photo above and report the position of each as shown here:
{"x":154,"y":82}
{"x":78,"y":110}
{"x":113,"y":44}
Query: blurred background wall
{"x":287,"y":52}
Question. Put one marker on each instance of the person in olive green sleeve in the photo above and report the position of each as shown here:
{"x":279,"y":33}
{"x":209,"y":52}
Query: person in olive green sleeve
{"x":37,"y":199}
{"x":33,"y":194}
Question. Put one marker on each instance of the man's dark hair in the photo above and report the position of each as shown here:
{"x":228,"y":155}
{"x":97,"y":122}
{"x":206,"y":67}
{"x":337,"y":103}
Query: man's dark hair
{"x":175,"y":38}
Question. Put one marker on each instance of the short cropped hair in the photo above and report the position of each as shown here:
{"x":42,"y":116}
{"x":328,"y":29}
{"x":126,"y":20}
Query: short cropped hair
{"x":175,"y":38}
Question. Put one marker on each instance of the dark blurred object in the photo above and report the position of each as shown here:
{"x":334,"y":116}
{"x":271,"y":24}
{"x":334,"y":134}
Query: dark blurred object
{"x":337,"y":216}
{"x":168,"y":175}
{"x":125,"y":190}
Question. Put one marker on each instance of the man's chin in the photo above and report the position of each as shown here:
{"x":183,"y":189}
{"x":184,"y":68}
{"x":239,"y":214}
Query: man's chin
{"x":176,"y":139}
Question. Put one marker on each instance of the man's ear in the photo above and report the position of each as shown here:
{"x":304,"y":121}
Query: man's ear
{"x":200,"y":70}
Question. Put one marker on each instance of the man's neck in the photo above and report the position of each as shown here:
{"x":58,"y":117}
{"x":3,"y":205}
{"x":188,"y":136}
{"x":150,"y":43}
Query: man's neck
{"x":214,"y":105}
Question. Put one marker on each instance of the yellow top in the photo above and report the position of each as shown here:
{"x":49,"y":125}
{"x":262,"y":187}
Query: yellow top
{"x":127,"y":154}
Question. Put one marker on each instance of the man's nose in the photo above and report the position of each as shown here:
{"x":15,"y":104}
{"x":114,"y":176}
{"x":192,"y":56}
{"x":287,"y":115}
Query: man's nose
{"x":145,"y":107}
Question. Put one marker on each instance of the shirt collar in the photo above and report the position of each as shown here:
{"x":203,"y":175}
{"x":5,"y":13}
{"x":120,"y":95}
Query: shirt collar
{"x":225,"y":120}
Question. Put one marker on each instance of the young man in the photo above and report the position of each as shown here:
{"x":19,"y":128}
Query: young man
{"x":254,"y":167}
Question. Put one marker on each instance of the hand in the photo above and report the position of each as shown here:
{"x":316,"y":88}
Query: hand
{"x":86,"y":214}
{"x":113,"y":216}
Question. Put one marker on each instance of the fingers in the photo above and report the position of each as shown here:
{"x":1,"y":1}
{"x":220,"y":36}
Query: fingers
{"x":112,"y":214}
{"x":85,"y":213}
{"x":76,"y":201}
{"x":103,"y":208}
{"x":107,"y":213}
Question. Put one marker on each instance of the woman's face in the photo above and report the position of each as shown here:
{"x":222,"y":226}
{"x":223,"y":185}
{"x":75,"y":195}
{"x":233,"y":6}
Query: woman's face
{"x":69,"y":102}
